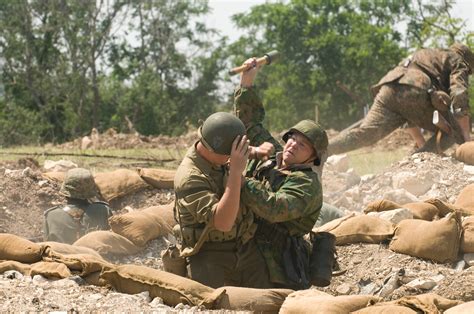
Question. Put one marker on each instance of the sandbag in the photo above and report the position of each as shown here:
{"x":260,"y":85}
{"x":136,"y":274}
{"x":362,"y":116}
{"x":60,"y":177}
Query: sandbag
{"x":51,"y":270}
{"x":108,"y":243}
{"x":437,"y":240}
{"x":249,"y":299}
{"x":422,"y":210}
{"x":360,"y":228}
{"x":66,"y":249}
{"x":94,"y":279}
{"x":158,"y":178}
{"x":18,"y":249}
{"x":315,"y":301}
{"x":384,"y":308}
{"x":172,"y":289}
{"x":82,"y":264}
{"x":24,"y":269}
{"x":167,"y":214}
{"x":443,"y":207}
{"x":465,"y":153}
{"x":56,"y":176}
{"x":465,"y":308}
{"x":118,"y":183}
{"x":140,"y":226}
{"x":381,"y":205}
{"x":427,"y":303}
{"x":465,"y":200}
{"x":467,"y":239}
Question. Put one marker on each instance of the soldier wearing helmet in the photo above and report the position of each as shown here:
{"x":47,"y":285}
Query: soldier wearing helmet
{"x":68,"y":222}
{"x":428,"y":80}
{"x":216,"y":233}
{"x":284,"y":192}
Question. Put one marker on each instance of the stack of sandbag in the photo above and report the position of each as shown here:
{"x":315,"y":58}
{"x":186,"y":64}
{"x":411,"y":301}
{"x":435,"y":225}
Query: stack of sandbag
{"x":465,"y":200}
{"x":144,"y":225}
{"x":108,"y":244}
{"x":437,"y":240}
{"x":122,"y":182}
{"x":358,"y":228}
{"x":158,"y":178}
{"x":315,"y":301}
{"x":32,"y":259}
{"x":249,"y":299}
{"x":419,"y":210}
{"x":423,"y":303}
{"x":465,"y":153}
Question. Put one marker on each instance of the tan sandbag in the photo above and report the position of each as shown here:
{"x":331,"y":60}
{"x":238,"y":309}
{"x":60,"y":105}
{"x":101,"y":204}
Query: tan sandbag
{"x":443,"y":207}
{"x":94,"y":279}
{"x":465,"y":200}
{"x":172,"y":289}
{"x":465,"y":308}
{"x":108,"y":243}
{"x":427,"y":303}
{"x":465,"y":153}
{"x":167,"y":214}
{"x":118,"y":183}
{"x":66,"y":249}
{"x":384,"y":308}
{"x":467,"y":239}
{"x":18,"y":249}
{"x":158,"y":178}
{"x":173,"y":262}
{"x":24,"y":269}
{"x":140,"y":226}
{"x":381,"y":205}
{"x":359,"y":228}
{"x":437,"y":240}
{"x":422,"y":210}
{"x":56,"y":176}
{"x":83,"y":264}
{"x":249,"y":299}
{"x":315,"y":301}
{"x":52,"y":270}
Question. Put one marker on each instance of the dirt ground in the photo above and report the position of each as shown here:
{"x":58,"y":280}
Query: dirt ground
{"x":25,"y":195}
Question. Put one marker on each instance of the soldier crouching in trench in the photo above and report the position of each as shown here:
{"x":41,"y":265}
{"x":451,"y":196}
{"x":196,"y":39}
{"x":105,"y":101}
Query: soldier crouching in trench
{"x":68,"y":222}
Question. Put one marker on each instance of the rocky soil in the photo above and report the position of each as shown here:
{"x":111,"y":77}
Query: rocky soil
{"x":366,"y":268}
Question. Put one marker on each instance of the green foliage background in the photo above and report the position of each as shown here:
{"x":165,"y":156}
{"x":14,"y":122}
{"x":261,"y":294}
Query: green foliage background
{"x":154,"y":67}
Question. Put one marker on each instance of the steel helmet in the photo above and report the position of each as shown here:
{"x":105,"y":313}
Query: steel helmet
{"x":465,"y":52}
{"x":79,"y":183}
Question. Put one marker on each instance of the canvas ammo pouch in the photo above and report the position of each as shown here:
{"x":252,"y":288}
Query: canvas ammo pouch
{"x":296,"y":262}
{"x":439,"y":99}
{"x":173,"y":262}
{"x":322,"y":258}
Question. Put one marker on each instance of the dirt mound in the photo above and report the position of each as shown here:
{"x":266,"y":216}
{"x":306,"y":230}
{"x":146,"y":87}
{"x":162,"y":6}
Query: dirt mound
{"x":416,"y":177}
{"x":112,"y":139}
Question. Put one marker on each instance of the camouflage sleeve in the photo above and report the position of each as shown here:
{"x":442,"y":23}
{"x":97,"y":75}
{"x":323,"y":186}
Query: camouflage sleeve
{"x":459,"y":85}
{"x":249,"y":108}
{"x":298,"y":196}
{"x":196,"y":201}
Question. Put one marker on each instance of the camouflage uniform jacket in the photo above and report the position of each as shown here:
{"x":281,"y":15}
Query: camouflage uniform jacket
{"x":288,"y":201}
{"x":436,"y":69}
{"x":199,"y":185}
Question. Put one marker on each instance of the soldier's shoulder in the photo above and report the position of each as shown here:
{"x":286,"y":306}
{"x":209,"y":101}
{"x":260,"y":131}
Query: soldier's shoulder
{"x":99,"y":204}
{"x":53,"y":208}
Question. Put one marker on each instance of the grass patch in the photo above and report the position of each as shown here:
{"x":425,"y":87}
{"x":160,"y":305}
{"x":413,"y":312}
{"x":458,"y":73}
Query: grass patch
{"x":94,"y":159}
{"x":373,"y":162}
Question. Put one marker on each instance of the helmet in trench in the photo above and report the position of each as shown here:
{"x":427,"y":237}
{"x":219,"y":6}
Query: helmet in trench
{"x":219,"y":131}
{"x":79,"y":183}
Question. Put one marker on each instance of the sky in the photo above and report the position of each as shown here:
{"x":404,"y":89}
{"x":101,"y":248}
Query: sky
{"x":222,"y":10}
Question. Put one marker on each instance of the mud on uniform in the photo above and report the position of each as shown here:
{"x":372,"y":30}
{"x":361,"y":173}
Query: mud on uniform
{"x":287,"y":202}
{"x":402,"y":96}
{"x":67,"y":223}
{"x":225,"y":258}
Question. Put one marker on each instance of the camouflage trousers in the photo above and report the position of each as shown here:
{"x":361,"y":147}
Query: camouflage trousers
{"x":393,"y":106}
{"x":220,"y":264}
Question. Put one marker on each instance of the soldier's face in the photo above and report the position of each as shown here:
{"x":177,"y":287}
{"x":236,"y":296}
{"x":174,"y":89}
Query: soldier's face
{"x":297,"y":150}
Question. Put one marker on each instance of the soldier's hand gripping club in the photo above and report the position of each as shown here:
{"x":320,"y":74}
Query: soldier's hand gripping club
{"x":247,"y":77}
